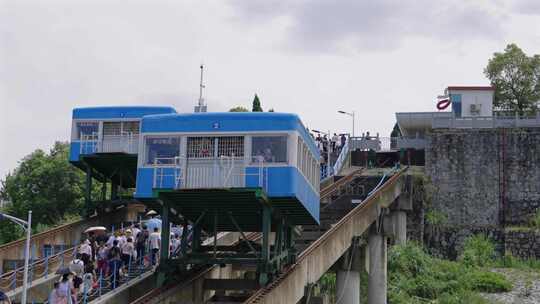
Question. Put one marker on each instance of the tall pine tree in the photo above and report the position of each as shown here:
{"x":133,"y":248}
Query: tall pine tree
{"x":256,"y":104}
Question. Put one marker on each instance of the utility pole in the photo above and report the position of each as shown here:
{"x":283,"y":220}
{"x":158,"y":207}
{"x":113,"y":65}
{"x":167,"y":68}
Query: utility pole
{"x":201,"y":107}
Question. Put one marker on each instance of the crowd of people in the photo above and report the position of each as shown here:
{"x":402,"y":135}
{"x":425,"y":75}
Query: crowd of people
{"x":103,"y":259}
{"x":329,"y":145}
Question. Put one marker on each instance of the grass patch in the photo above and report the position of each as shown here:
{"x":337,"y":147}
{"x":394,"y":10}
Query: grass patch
{"x":485,"y":281}
{"x":477,"y":251}
{"x":417,"y":277}
{"x":509,"y":261}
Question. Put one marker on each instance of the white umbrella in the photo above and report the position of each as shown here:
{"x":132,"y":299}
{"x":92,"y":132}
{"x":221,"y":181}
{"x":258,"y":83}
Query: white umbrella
{"x":151,"y":212}
{"x":95,"y":228}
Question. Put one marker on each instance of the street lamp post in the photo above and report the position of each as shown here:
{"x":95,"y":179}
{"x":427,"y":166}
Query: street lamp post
{"x":327,"y":150}
{"x":26,"y":225}
{"x":352,"y":116}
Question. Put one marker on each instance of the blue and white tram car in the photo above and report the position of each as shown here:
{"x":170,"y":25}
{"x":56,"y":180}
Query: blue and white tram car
{"x":108,"y":129}
{"x":271,"y":151}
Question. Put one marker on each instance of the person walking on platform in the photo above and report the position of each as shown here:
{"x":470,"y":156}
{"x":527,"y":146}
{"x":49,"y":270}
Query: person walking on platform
{"x":155,"y":242}
{"x":114,"y":264}
{"x":128,"y":254}
{"x":142,"y":240}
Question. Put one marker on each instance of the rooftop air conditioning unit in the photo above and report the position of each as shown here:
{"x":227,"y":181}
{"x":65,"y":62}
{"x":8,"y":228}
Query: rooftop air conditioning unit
{"x":475,"y":109}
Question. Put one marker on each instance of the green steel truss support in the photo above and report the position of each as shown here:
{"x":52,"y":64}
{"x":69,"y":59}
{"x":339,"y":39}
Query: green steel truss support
{"x":165,"y":238}
{"x":268,"y":259}
{"x":88,"y":190}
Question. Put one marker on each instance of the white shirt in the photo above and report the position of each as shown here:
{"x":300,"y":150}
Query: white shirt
{"x":111,"y":240}
{"x":85,"y":249}
{"x":77,"y":266}
{"x":134,"y":232}
{"x":155,"y":240}
{"x":121,"y":240}
{"x":128,"y":248}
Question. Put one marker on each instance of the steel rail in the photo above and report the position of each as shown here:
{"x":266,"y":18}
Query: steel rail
{"x":329,"y":190}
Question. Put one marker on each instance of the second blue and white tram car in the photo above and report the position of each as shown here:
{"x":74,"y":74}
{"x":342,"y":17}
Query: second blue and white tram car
{"x":271,"y":151}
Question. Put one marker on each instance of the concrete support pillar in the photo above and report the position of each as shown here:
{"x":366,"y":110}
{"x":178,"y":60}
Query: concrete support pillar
{"x":377,"y":284}
{"x":348,"y":271}
{"x":348,"y":286}
{"x":400,"y":226}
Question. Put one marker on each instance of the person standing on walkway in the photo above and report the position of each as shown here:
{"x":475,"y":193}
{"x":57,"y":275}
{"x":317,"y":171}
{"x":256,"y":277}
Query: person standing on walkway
{"x":128,"y":252}
{"x":85,"y":250}
{"x":142,"y":240}
{"x":114,"y":264}
{"x":54,"y":296}
{"x":155,"y":242}
{"x":102,"y":254}
{"x":335,"y":139}
{"x":64,"y":290}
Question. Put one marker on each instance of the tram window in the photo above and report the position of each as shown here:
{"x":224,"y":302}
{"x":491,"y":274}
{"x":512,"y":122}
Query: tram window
{"x":112,"y":128}
{"x":130,"y":127}
{"x":272,"y":149}
{"x":231,"y":146}
{"x":200,"y":147}
{"x":162,"y":150}
{"x":87,"y":130}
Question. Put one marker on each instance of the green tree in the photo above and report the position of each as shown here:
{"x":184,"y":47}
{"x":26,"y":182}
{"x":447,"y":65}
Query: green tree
{"x":256,"y":105}
{"x":271,"y":110}
{"x":396,"y":132}
{"x":516,"y":78}
{"x":45,"y":183}
{"x":239,"y":109}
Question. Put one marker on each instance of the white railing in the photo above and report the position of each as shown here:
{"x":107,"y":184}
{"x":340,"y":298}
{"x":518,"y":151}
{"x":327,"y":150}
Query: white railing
{"x":370,"y":143}
{"x":166,"y":169}
{"x":409,"y":143}
{"x":499,"y":120}
{"x":341,"y":158}
{"x":223,"y":172}
{"x":88,"y":143}
{"x":379,"y":144}
{"x":127,"y":143}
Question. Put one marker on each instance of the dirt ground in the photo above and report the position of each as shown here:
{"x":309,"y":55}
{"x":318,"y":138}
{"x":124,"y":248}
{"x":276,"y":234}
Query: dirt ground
{"x":526,"y":287}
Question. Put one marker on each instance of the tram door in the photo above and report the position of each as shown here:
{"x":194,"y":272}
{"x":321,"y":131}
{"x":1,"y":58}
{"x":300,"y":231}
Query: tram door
{"x":215,"y":162}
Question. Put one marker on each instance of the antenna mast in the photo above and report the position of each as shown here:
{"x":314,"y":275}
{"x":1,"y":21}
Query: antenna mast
{"x":201,"y":107}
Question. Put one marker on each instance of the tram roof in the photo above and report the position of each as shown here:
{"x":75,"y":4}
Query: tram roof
{"x":119,"y":112}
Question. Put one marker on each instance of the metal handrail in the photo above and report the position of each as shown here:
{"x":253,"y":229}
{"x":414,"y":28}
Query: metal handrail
{"x":92,"y":143}
{"x":341,"y":158}
{"x":38,"y":269}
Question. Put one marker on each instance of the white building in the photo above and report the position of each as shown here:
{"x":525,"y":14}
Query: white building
{"x":468,"y":104}
{"x":468,"y":101}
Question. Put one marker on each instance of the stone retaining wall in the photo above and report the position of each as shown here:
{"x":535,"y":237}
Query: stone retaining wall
{"x":523,"y":244}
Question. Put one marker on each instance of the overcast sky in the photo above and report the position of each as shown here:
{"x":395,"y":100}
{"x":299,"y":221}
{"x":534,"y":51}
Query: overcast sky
{"x":312,"y":58}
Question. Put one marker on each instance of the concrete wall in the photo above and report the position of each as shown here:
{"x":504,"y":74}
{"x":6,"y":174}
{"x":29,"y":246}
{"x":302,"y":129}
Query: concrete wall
{"x":523,"y":244}
{"x":463,"y":166}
